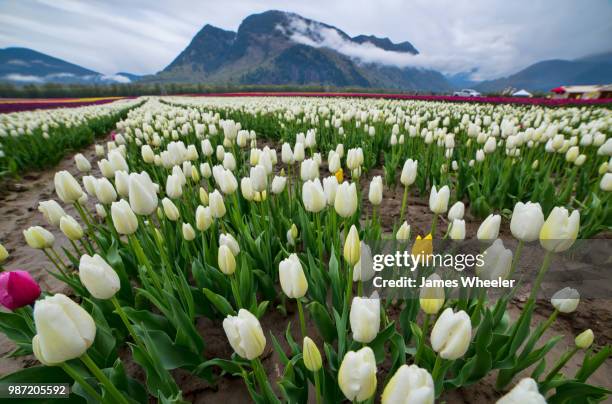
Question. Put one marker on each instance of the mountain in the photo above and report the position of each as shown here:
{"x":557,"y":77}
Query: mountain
{"x":462,"y":79}
{"x":277,"y":47}
{"x":25,"y":66}
{"x":548,"y":74}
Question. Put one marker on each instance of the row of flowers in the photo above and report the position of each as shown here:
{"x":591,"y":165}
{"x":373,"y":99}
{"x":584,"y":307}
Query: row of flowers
{"x":40,"y":138}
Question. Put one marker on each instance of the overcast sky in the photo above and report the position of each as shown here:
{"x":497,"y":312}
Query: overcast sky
{"x":143,"y":36}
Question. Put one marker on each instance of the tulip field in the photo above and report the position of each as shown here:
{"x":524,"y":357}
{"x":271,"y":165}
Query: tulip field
{"x":209,"y":249}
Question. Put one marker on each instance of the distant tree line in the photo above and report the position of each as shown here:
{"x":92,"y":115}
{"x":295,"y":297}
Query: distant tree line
{"x":53,"y":90}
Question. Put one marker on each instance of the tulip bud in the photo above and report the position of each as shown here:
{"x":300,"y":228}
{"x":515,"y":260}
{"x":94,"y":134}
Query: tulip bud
{"x":410,"y":384}
{"x":527,"y":220}
{"x":311,"y":355}
{"x":216,"y":204}
{"x":456,"y":211}
{"x":560,"y":230}
{"x":105,"y":192}
{"x":526,"y":391}
{"x":497,"y":261}
{"x":278,"y":184}
{"x":174,"y":186}
{"x":100,"y":211}
{"x":67,"y":188}
{"x":287,"y":154}
{"x":89,"y":182}
{"x":352,"y":247}
{"x":229,"y":240}
{"x":431,"y":298}
{"x":422,"y":247}
{"x":259,"y":178}
{"x":365,"y":318}
{"x":122,"y":183}
{"x":203,"y":196}
{"x":64,"y":330}
{"x":99,"y":278}
{"x":346,"y":198}
{"x":489,"y":228}
{"x":124,"y":219}
{"x":313,"y":196}
{"x":147,"y":154}
{"x":142,"y":194}
{"x":52,"y":211}
{"x":451,"y":335}
{"x":205,"y":170}
{"x":188,"y":232}
{"x":403,"y":233}
{"x":3,"y":254}
{"x":82,"y":163}
{"x":71,"y":228}
{"x":364,"y":268}
{"x":292,"y":278}
{"x":244,"y":334}
{"x":204,"y":218}
{"x":566,"y":300}
{"x":438,"y":200}
{"x":38,"y":237}
{"x":457,"y":230}
{"x":292,"y":234}
{"x":357,"y":374}
{"x":226,"y":260}
{"x":375,"y":194}
{"x":584,"y":339}
{"x":606,"y":182}
{"x":17,"y":288}
{"x":170,"y":210}
{"x":409,"y":172}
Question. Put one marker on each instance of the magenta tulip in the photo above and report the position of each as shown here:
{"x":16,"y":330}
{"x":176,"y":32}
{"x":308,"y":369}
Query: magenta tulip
{"x":17,"y":289}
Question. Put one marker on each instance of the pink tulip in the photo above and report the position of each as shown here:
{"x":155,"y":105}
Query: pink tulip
{"x":17,"y":289}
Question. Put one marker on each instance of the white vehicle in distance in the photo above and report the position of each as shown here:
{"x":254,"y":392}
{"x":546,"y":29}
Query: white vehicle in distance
{"x":467,"y":92}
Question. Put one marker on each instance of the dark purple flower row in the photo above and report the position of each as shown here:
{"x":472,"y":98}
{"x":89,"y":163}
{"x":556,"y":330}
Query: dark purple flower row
{"x":29,"y":106}
{"x":549,"y":102}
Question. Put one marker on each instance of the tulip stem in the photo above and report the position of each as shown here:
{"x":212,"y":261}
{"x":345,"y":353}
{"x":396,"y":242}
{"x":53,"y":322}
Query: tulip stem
{"x":540,"y":277}
{"x":81,"y":381}
{"x":349,"y":288}
{"x":262,"y":379}
{"x":317,"y":386}
{"x":234,"y":285}
{"x":319,"y":234}
{"x":517,"y":256}
{"x":301,"y":314}
{"x":108,"y":385}
{"x":404,"y":200}
{"x":436,"y":373}
{"x":127,"y":323}
{"x":142,"y":258}
{"x":419,"y":351}
{"x":560,"y":363}
{"x":58,"y":258}
{"x":434,"y":223}
{"x":54,"y":262}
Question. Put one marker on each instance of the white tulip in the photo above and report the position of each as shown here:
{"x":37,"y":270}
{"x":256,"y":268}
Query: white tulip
{"x":409,"y":385}
{"x":245,"y":334}
{"x":357,"y":374}
{"x":527,"y":221}
{"x":451,"y":335}
{"x":292,"y":278}
{"x":99,"y":278}
{"x":365,"y":318}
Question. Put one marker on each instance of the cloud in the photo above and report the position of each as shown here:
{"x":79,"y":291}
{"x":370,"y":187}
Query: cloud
{"x":117,"y":77}
{"x":498,"y":37}
{"x":23,"y":78}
